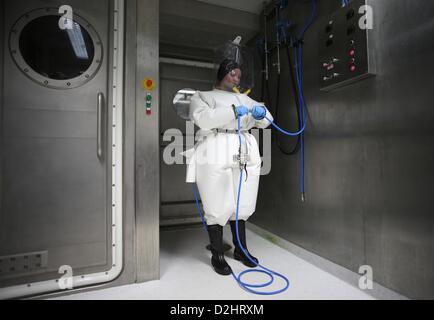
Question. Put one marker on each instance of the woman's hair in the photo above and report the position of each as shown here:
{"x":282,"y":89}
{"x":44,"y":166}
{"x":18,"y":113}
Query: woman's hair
{"x":225,"y":67}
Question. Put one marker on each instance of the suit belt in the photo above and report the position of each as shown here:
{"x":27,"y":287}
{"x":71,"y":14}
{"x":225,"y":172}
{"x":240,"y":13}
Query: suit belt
{"x":228,"y":131}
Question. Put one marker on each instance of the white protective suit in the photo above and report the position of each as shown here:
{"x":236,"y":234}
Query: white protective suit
{"x":212,"y":165}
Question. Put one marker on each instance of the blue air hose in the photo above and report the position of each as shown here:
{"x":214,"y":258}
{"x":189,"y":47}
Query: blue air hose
{"x":311,"y":20}
{"x":299,"y":77}
{"x":298,"y":57}
{"x":298,"y":60}
{"x":248,"y":286}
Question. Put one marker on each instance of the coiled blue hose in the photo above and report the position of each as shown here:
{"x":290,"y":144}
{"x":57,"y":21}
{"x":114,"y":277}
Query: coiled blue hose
{"x":267,"y":271}
{"x":248,"y":286}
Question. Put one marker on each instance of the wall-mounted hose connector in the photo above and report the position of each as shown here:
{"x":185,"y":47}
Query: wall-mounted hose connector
{"x":283,"y":31}
{"x":282,"y":4}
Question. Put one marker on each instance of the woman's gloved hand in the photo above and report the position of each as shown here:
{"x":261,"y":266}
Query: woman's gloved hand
{"x":259,"y":112}
{"x":241,"y":111}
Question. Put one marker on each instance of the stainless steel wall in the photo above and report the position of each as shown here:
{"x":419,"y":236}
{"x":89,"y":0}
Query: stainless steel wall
{"x":178,"y":205}
{"x":369,"y":156}
{"x":1,"y":89}
{"x":147,"y":173}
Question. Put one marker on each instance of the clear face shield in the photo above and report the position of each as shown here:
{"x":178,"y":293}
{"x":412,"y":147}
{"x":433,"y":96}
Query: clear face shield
{"x":234,"y":64}
{"x":234,"y":67}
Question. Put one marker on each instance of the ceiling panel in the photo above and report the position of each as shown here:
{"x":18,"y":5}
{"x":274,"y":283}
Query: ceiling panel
{"x":205,"y":24}
{"x":252,"y":6}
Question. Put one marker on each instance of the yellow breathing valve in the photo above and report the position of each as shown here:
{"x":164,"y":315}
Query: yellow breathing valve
{"x":236,"y":90}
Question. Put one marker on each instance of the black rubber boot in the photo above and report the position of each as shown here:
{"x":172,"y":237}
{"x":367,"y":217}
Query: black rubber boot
{"x":218,"y":258}
{"x":238,"y":253}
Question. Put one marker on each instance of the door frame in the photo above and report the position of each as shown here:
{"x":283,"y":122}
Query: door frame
{"x":117,"y":91}
{"x":1,"y":89}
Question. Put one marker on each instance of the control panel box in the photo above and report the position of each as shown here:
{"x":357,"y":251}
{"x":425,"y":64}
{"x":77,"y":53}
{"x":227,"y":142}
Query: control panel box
{"x":346,"y":54}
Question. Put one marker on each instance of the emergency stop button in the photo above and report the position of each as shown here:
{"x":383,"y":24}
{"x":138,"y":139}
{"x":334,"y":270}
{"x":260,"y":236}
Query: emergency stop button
{"x":148,"y":84}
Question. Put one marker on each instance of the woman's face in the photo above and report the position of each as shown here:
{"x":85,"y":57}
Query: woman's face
{"x":231,"y":80}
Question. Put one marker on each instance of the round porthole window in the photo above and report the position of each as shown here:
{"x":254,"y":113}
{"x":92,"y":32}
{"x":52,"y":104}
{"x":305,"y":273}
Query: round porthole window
{"x":54,"y":57}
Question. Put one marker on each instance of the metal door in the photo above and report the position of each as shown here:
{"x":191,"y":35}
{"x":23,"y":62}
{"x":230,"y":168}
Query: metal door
{"x":56,"y":164}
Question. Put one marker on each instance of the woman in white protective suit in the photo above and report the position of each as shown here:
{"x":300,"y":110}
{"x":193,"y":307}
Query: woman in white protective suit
{"x":215,"y":165}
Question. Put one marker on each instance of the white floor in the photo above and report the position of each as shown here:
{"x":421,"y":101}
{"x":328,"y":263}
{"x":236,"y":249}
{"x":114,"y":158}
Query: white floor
{"x":186,"y":274}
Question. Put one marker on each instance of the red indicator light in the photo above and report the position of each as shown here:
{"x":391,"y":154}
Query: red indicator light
{"x":352,"y":53}
{"x":353,"y":68}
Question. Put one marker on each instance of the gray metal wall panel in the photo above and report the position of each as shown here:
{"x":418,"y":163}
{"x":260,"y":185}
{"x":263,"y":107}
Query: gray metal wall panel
{"x":1,"y":94}
{"x":173,"y":184}
{"x":147,"y":144}
{"x":27,"y":123}
{"x":369,"y":157}
{"x":177,"y":196}
{"x":199,"y":54}
{"x":174,"y":78}
{"x":69,"y":207}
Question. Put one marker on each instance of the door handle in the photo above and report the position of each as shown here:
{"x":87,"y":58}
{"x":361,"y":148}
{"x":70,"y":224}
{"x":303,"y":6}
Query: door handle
{"x":100,"y":126}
